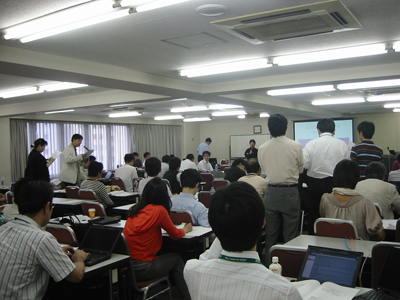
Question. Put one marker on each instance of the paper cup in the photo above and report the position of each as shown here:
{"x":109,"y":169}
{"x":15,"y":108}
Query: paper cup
{"x":92,"y":213}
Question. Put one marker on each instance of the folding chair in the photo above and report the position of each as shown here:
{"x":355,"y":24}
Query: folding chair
{"x":179,"y":216}
{"x":119,"y":182}
{"x":290,"y":258}
{"x":208,"y":179}
{"x":379,"y":209}
{"x":63,"y":234}
{"x":335,"y":228}
{"x":219,"y":183}
{"x":72,"y":192}
{"x":87,"y":194}
{"x":224,"y":162}
{"x":100,"y":211}
{"x":224,"y":168}
{"x":9,"y":197}
{"x":205,"y":198}
{"x":167,"y":183}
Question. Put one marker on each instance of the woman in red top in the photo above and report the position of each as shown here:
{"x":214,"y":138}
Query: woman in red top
{"x":143,"y":234}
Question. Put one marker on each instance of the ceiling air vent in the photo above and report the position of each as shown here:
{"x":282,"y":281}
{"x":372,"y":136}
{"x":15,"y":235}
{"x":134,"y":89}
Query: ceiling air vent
{"x":288,"y":23}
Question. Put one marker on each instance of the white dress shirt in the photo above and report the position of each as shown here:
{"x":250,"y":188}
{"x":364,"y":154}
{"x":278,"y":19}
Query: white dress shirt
{"x":219,"y":279}
{"x":203,"y":147}
{"x":187,"y":164}
{"x":127,"y":173}
{"x":394,"y":175}
{"x":322,"y":155}
{"x":164,"y":168}
{"x":259,"y":183}
{"x":204,"y":166}
{"x":144,"y":181}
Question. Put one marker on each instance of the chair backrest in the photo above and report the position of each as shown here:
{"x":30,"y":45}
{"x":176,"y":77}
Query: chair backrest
{"x":118,"y":181}
{"x":208,"y":179}
{"x":63,"y":234}
{"x":179,"y":216}
{"x":9,"y":197}
{"x":377,"y":259}
{"x":379,"y":209}
{"x":167,"y":183}
{"x":72,"y":192}
{"x":224,"y":162}
{"x":219,"y":183}
{"x":205,"y":198}
{"x":100,"y":211}
{"x":224,"y":168}
{"x":397,"y":237}
{"x":290,"y":258}
{"x":87,"y":194}
{"x":335,"y":228}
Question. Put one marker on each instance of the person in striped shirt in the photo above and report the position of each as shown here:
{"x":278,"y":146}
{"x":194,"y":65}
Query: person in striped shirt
{"x":366,"y":151}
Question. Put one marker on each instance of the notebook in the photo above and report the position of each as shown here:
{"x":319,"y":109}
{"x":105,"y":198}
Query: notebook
{"x":388,"y":280}
{"x":108,"y":175}
{"x":100,"y":241}
{"x":334,"y":265}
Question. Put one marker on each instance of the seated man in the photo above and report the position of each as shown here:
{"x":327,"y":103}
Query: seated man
{"x":190,"y":181}
{"x":188,"y":163}
{"x":253,"y":177}
{"x":236,"y":171}
{"x":164,"y":165}
{"x":204,"y":164}
{"x":379,"y":191}
{"x":137,"y":163}
{"x":173,"y":175}
{"x":153,"y":168}
{"x":30,"y":255}
{"x":236,"y":215}
{"x":127,"y":172}
{"x":146,"y":155}
{"x":394,"y":175}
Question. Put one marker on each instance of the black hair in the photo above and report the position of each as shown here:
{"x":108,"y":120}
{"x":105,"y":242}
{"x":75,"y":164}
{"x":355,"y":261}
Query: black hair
{"x":76,"y":136}
{"x":92,"y":158}
{"x":189,"y":178}
{"x":375,"y":170}
{"x":367,"y":128}
{"x":174,"y":163}
{"x":346,"y":174}
{"x":326,"y":125}
{"x":165,"y":159}
{"x":33,"y":196}
{"x":152,"y":166}
{"x":239,"y":161}
{"x":135,"y":154}
{"x":252,"y":141}
{"x":208,"y":140}
{"x":155,"y":192}
{"x":146,"y":154}
{"x":236,"y":215}
{"x":129,"y":157}
{"x":253,"y":166}
{"x":95,"y":168}
{"x":39,"y":142}
{"x":207,"y":152}
{"x":277,"y":125}
{"x":190,"y":156}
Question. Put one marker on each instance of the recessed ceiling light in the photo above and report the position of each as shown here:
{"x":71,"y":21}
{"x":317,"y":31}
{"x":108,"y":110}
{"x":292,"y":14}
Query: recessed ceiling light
{"x":301,"y":90}
{"x":188,"y":109}
{"x":118,"y":105}
{"x":171,"y":117}
{"x":20,"y":92}
{"x":228,"y":113}
{"x":211,"y":10}
{"x":58,"y":111}
{"x":196,"y":119}
{"x":392,"y":105}
{"x":338,"y":101}
{"x":264,"y":115}
{"x":223,"y":106}
{"x":396,"y":110}
{"x":368,"y":84}
{"x":124,"y":114}
{"x":386,"y":97}
{"x":241,"y":116}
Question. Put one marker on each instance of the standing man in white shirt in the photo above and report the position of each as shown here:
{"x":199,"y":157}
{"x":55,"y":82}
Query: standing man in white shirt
{"x":127,"y":172}
{"x":321,"y":156}
{"x":188,"y":163}
{"x":204,"y":165}
{"x":281,"y":159}
{"x":203,"y":147}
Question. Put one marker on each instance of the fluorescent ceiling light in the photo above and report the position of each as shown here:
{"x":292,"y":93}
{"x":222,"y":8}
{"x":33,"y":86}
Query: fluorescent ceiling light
{"x":368,"y":84}
{"x":228,"y":113}
{"x":156,"y":4}
{"x":386,"y":97}
{"x":224,"y":106}
{"x":227,"y":67}
{"x":396,"y":110}
{"x":196,"y":119}
{"x":264,"y":115}
{"x":20,"y":92}
{"x":326,"y":55}
{"x":118,"y":105}
{"x":392,"y":105}
{"x":124,"y":114}
{"x":171,"y":117}
{"x":301,"y":90}
{"x":60,"y":86}
{"x":242,"y":117}
{"x":396,"y":46}
{"x":58,"y":111}
{"x":188,"y":109}
{"x":338,"y":101}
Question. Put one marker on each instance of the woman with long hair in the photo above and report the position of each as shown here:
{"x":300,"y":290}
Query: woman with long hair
{"x":143,"y":235}
{"x":38,"y":167}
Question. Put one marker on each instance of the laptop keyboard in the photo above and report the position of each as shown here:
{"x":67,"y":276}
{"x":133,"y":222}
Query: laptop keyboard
{"x":95,"y":258}
{"x":376,"y":295}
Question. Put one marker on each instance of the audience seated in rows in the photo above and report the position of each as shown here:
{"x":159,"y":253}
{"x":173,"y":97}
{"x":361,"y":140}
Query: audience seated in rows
{"x":253,"y":177}
{"x":204,"y":165}
{"x":153,"y":168}
{"x":236,"y":216}
{"x":173,"y":175}
{"x":394,"y":175}
{"x":236,"y":171}
{"x":164,"y":165}
{"x":127,"y":172}
{"x":188,"y":163}
{"x":348,"y":204}
{"x":190,"y":181}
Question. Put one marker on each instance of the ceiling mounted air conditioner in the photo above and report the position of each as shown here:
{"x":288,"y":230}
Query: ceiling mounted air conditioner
{"x":294,"y":22}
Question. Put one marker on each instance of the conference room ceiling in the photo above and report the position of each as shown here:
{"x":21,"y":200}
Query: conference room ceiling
{"x":136,"y":60}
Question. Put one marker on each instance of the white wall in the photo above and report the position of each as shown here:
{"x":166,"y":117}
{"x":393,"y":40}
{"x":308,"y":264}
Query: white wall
{"x":191,"y":139}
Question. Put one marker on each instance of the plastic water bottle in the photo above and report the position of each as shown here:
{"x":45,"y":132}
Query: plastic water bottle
{"x":3,"y":181}
{"x":275,"y":266}
{"x":212,"y":191}
{"x":216,"y":167}
{"x":2,"y":219}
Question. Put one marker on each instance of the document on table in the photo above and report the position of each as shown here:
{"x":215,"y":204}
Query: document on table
{"x":313,"y":290}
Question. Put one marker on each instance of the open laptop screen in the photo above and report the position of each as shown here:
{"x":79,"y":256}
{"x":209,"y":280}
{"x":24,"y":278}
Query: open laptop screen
{"x":334,"y":265}
{"x":390,"y":272}
{"x":108,"y":175}
{"x":100,"y":239}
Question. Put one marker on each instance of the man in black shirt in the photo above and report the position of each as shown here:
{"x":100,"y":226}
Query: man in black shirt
{"x":236,"y":171}
{"x":252,"y":151}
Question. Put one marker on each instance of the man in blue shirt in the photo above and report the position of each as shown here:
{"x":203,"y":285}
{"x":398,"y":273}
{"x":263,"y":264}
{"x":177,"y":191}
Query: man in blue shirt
{"x":203,"y":147}
{"x":190,"y":181}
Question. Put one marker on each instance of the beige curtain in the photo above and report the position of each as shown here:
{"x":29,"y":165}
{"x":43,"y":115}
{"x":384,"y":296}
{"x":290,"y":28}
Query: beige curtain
{"x":19,"y":146}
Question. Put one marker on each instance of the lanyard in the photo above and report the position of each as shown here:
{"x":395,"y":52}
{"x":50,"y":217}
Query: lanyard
{"x":240,"y":259}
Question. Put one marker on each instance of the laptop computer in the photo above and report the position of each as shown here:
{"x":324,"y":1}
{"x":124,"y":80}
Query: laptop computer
{"x":388,"y":281}
{"x":99,"y":241}
{"x":108,"y":175}
{"x":334,"y":265}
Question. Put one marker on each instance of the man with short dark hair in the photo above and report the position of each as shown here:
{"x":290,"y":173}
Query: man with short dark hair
{"x":236,"y":215}
{"x":29,"y":254}
{"x":281,"y":159}
{"x":321,"y":155}
{"x":137,"y":162}
{"x":378,"y":191}
{"x":173,"y":175}
{"x":252,"y":151}
{"x":188,"y":163}
{"x":190,"y":181}
{"x":253,"y":177}
{"x":203,"y":147}
{"x":146,"y":155}
{"x":127,"y":172}
{"x":236,"y":171}
{"x":366,"y":151}
{"x":153,"y":168}
{"x":164,"y":165}
{"x":204,"y":165}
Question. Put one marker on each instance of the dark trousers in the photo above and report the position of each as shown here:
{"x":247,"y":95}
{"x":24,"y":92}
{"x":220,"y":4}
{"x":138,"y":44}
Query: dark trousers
{"x":316,"y":188}
{"x":170,"y":263}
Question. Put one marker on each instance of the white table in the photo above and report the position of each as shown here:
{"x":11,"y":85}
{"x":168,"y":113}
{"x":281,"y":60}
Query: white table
{"x":124,"y":208}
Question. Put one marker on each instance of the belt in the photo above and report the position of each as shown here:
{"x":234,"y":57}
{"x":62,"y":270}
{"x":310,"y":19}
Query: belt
{"x":283,"y":185}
